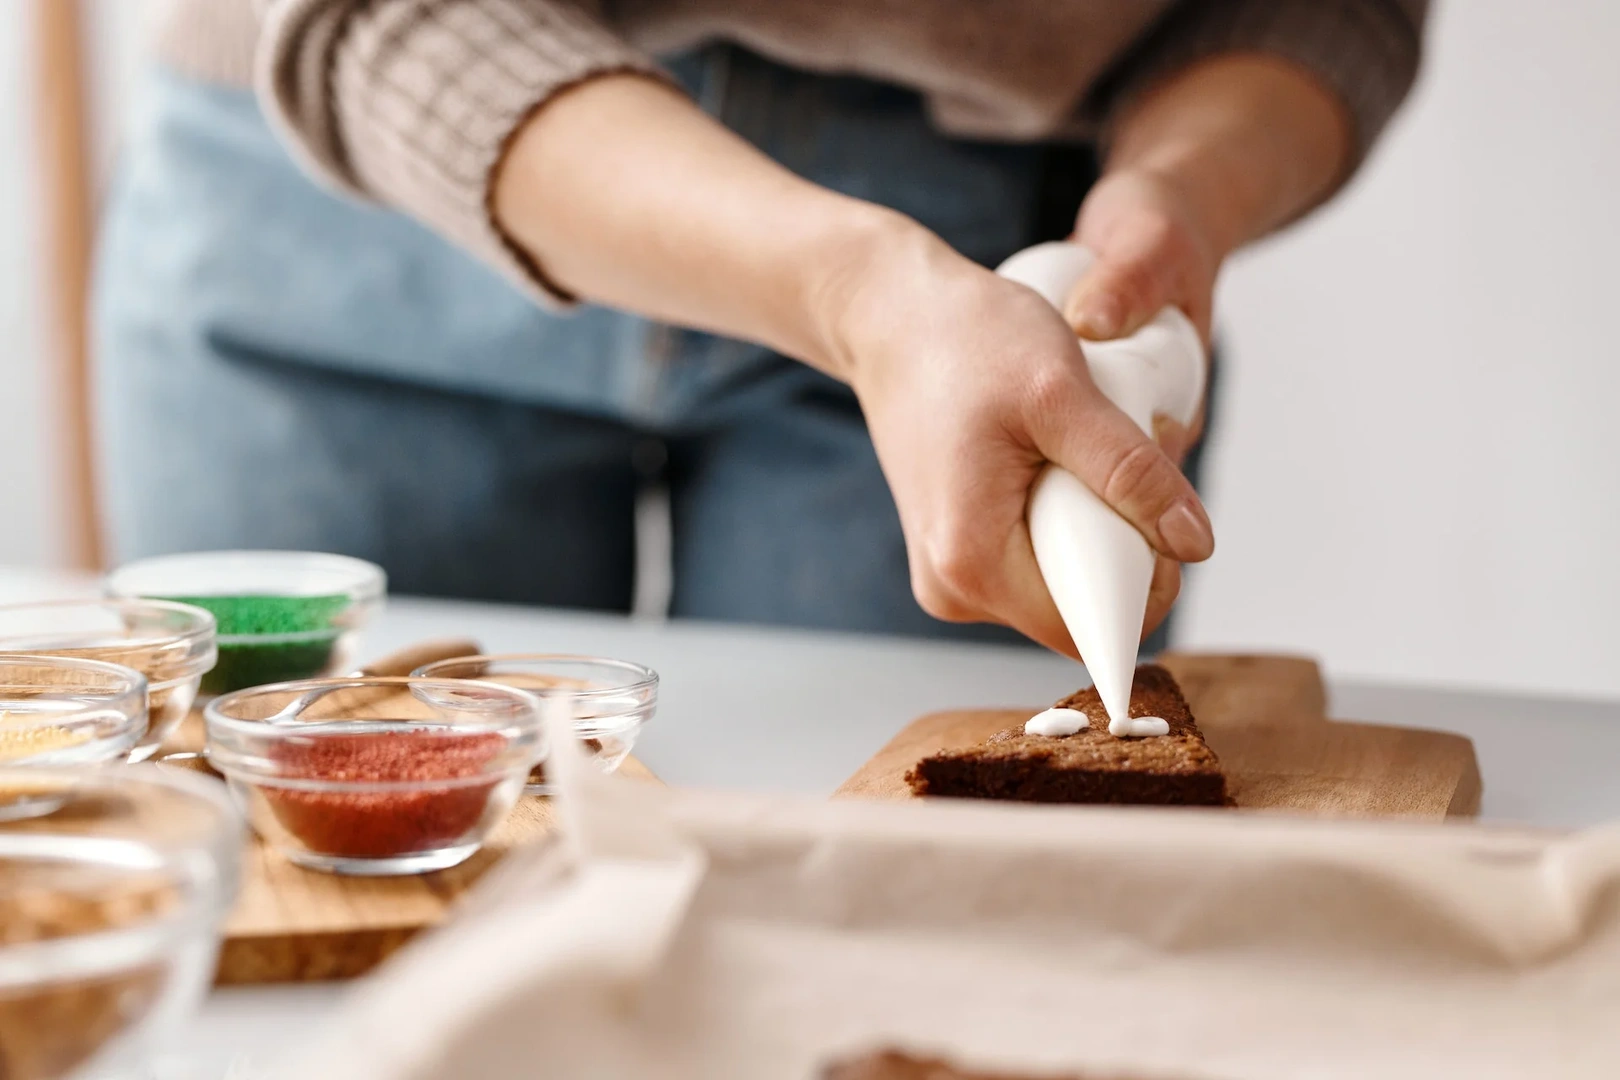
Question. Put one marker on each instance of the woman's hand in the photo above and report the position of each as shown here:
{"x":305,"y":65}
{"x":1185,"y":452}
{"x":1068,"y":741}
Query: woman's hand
{"x":971,"y":384}
{"x":1220,"y":154}
{"x":1152,"y":252}
{"x":623,"y":192}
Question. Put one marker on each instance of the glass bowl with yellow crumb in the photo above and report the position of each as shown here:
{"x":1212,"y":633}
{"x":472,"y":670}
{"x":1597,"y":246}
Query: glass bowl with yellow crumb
{"x":58,"y":710}
{"x":173,"y":645}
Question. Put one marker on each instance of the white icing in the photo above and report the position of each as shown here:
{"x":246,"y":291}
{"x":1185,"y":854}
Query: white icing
{"x":1056,"y":722}
{"x":1139,"y":727}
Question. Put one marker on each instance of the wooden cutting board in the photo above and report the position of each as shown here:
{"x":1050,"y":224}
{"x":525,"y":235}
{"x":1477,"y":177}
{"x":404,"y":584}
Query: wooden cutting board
{"x":295,"y":925}
{"x":1266,"y":719}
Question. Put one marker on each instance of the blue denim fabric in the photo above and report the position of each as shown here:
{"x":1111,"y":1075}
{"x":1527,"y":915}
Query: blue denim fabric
{"x":281,"y":367}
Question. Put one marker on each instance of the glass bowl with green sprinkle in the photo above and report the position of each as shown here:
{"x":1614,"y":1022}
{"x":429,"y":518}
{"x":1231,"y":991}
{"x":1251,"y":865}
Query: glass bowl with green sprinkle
{"x":282,"y":614}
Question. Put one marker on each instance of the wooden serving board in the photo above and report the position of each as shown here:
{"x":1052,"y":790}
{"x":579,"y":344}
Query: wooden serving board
{"x":1265,"y":718}
{"x":295,"y":925}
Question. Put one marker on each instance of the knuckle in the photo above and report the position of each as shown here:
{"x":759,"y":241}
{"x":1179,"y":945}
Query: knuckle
{"x":936,"y":600}
{"x":958,"y":569}
{"x":1052,"y":392}
{"x":1136,"y":280}
{"x":1138,"y":477}
{"x":1159,"y":233}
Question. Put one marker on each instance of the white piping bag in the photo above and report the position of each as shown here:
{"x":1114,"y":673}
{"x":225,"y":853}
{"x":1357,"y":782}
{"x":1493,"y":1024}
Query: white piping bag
{"x":1097,"y":566}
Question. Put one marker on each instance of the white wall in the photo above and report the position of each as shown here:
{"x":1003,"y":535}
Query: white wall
{"x":28,"y":514}
{"x":31,"y":510}
{"x":1419,"y":467}
{"x":1416,"y":476}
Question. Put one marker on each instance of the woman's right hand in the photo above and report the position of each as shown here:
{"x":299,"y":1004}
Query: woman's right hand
{"x":626,"y":193}
{"x":971,"y":384}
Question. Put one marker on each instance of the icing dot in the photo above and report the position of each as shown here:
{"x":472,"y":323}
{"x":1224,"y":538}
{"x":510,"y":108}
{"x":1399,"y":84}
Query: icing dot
{"x":1140,"y":727}
{"x":1056,"y":722}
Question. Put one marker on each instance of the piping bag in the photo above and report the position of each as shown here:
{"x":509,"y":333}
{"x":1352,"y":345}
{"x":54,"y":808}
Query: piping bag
{"x":1097,"y":566}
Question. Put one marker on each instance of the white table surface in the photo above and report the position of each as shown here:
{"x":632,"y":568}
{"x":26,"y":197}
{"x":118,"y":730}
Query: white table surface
{"x":784,"y":710}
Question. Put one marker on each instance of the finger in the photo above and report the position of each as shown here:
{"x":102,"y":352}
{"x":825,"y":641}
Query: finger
{"x":1173,"y":438}
{"x":1161,"y":594}
{"x":1038,"y":617}
{"x":1030,"y":609}
{"x":964,"y":573}
{"x":1027,"y":606}
{"x":1123,"y":290}
{"x":1032,"y":612}
{"x":1074,"y":425}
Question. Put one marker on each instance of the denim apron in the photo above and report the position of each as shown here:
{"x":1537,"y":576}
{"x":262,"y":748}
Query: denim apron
{"x":281,"y":367}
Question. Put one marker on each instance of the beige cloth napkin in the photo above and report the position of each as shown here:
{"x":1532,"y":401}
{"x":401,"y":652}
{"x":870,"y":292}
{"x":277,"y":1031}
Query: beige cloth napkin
{"x":678,"y":934}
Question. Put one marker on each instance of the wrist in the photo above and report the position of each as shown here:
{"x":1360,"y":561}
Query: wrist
{"x":1249,"y":143}
{"x":630,"y":196}
{"x":1211,"y":197}
{"x":856,"y":288}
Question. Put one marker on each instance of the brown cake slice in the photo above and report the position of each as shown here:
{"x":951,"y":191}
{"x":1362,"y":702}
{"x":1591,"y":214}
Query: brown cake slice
{"x":891,"y":1065}
{"x":1090,"y":766}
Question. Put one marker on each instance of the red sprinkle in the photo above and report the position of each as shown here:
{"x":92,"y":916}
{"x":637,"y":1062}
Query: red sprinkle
{"x":387,"y":823}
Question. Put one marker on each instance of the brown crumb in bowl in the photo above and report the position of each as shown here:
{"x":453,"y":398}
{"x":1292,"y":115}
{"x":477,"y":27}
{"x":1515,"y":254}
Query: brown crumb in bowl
{"x":48,"y":1030}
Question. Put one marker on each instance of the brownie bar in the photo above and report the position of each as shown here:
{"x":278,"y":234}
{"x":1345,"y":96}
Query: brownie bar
{"x":1090,"y":766}
{"x":890,"y":1065}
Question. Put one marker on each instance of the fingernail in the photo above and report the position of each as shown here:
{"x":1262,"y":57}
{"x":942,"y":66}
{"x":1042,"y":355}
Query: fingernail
{"x":1098,"y":318}
{"x":1187,"y":533}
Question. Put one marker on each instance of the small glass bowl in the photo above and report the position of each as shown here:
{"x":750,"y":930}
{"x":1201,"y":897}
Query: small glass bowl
{"x":59,"y":710}
{"x":282,"y":614}
{"x":612,"y":700}
{"x":375,"y":775}
{"x":171,"y":644}
{"x":110,"y":914}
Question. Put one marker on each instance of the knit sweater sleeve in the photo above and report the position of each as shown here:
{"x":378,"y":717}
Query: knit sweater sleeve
{"x":1365,"y":51}
{"x":412,"y":102}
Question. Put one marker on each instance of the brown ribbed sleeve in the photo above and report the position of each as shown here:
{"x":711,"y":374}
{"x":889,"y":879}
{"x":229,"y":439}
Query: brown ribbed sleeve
{"x":1365,"y":51}
{"x":412,"y":102}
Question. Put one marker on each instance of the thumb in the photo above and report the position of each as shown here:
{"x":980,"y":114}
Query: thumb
{"x":1081,"y":430}
{"x":1116,"y":297}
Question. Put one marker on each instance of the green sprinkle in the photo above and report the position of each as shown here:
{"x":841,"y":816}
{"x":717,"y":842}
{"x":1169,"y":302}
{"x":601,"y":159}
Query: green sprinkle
{"x":256,"y":615}
{"x":298,"y":631}
{"x":250,"y":663}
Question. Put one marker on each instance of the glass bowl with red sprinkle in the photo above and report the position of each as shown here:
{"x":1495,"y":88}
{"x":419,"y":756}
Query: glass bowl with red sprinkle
{"x":610,"y":700}
{"x":375,"y":775}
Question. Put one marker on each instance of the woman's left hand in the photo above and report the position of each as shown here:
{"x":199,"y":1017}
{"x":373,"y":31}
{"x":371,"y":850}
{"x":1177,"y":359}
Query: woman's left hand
{"x":1222,"y":153}
{"x":1152,"y":252}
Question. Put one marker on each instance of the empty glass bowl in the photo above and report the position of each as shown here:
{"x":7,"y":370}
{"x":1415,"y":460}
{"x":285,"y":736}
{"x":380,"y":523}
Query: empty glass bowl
{"x":611,"y":700}
{"x":378,"y":775}
{"x":171,"y":644}
{"x":110,"y":913}
{"x":59,"y":710}
{"x":282,"y":614}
